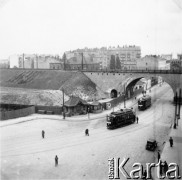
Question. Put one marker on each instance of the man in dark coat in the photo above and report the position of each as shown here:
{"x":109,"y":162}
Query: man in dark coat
{"x":145,"y":174}
{"x":56,"y":160}
{"x":137,"y":119}
{"x":43,"y":134}
{"x":171,"y":141}
{"x":165,"y":167}
{"x":86,"y":132}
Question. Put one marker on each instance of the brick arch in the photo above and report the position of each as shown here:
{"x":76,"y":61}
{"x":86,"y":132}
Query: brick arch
{"x":130,"y":86}
{"x":171,"y":80}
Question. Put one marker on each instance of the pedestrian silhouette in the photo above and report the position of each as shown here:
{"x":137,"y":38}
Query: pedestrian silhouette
{"x":165,"y":167}
{"x":43,"y":134}
{"x":137,"y":119}
{"x":161,"y":164}
{"x":171,"y":141}
{"x":56,"y":160}
{"x":158,"y":156}
{"x":145,"y":174}
{"x":86,"y":132}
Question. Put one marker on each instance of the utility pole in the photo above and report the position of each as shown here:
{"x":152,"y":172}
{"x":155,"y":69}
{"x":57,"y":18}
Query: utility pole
{"x":124,"y":97}
{"x":37,"y":60}
{"x":176,"y":103}
{"x":63,"y":104}
{"x":64,"y":64}
{"x":82,"y":61}
{"x":64,"y":61}
{"x":179,"y":104}
{"x":88,"y":112}
{"x":23,"y":60}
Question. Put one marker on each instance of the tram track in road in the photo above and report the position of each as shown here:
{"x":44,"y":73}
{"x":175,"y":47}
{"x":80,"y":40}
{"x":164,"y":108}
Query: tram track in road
{"x":79,"y":140}
{"x":71,"y":139}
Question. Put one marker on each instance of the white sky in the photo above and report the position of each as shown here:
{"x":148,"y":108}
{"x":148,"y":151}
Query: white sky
{"x":55,"y":26}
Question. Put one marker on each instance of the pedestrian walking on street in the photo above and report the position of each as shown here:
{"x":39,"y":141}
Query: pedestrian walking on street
{"x":158,"y":156}
{"x":56,"y":160}
{"x":43,"y":134}
{"x":160,"y":167}
{"x":86,"y":132}
{"x":137,"y":119}
{"x":145,"y":174}
{"x":171,"y":141}
{"x":165,"y":167}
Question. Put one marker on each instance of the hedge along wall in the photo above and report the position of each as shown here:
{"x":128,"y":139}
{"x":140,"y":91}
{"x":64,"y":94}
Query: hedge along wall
{"x":4,"y":115}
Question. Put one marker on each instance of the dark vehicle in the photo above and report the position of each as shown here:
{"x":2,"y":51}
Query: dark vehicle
{"x":151,"y":145}
{"x":121,"y":117}
{"x":144,"y":102}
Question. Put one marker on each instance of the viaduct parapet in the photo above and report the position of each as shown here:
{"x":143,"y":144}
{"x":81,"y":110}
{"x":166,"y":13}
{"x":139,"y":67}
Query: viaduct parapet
{"x":107,"y":81}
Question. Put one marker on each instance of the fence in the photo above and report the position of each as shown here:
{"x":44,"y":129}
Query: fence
{"x":48,"y":109}
{"x":4,"y":115}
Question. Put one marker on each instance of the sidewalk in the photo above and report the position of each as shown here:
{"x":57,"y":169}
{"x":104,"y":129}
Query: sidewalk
{"x":174,"y":154}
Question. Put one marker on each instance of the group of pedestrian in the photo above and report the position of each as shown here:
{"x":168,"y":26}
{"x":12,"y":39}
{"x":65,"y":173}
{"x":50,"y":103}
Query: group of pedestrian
{"x":56,"y":157}
{"x":163,"y":167}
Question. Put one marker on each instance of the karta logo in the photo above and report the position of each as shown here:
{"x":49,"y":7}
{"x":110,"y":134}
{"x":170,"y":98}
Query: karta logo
{"x":116,"y":168}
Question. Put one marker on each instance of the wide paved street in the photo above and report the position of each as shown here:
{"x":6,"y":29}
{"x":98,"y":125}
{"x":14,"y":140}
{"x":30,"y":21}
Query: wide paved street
{"x":25,"y":154}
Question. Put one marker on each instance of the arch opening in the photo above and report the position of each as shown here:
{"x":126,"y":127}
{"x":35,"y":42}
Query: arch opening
{"x":114,"y":93}
{"x":143,"y":85}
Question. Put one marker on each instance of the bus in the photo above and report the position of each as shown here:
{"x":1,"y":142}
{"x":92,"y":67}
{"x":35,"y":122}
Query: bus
{"x":121,"y":117}
{"x":144,"y":102}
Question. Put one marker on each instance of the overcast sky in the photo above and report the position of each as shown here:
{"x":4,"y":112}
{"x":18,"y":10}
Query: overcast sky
{"x":55,"y":26}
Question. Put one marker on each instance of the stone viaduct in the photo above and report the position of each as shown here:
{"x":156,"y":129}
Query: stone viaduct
{"x":116,"y":81}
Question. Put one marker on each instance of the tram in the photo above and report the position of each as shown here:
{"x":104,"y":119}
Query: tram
{"x":121,"y":117}
{"x":144,"y":102}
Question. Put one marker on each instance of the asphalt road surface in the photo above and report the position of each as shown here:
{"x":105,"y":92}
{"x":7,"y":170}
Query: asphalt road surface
{"x":25,"y":155}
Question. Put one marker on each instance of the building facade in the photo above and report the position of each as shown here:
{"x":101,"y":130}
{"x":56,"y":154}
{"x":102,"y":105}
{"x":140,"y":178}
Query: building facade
{"x":103,"y":55}
{"x":34,"y":61}
{"x":176,"y":65}
{"x":167,"y":56}
{"x":56,"y":66}
{"x":179,"y":56}
{"x":125,"y":53}
{"x":152,"y":62}
{"x":4,"y":63}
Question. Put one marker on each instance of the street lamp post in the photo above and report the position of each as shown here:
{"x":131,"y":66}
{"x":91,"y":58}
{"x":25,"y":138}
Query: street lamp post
{"x":88,"y":113}
{"x":63,"y":104}
{"x":176,"y":104}
{"x":124,"y":97}
{"x":179,"y":103}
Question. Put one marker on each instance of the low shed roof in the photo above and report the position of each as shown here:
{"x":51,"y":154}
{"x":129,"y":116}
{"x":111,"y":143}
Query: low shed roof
{"x":73,"y":101}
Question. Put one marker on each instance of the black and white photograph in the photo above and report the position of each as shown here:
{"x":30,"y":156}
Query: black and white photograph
{"x":90,"y":89}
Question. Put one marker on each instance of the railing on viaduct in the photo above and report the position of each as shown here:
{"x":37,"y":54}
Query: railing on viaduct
{"x":137,"y":71}
{"x":152,"y":71}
